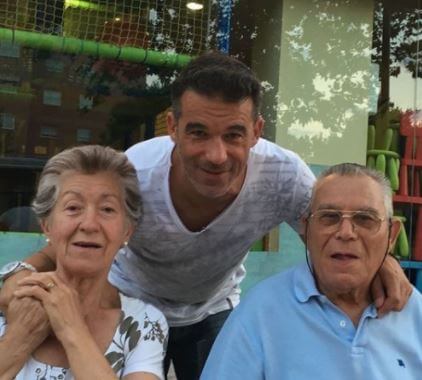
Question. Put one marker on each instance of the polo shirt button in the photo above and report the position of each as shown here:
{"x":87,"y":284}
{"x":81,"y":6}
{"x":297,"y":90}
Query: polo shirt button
{"x":342,"y":323}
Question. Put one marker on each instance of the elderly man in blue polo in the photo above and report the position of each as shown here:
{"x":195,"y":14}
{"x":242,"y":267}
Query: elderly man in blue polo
{"x":318,"y":320}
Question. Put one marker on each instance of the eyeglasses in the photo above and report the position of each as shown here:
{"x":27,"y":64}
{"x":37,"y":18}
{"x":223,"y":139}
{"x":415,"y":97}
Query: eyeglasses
{"x":331,"y":220}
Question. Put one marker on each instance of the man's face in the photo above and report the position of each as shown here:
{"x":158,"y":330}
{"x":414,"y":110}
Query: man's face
{"x":347,"y":256}
{"x":213,"y":139}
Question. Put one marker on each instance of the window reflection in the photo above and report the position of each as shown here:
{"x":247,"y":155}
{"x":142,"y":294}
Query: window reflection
{"x":50,"y":101}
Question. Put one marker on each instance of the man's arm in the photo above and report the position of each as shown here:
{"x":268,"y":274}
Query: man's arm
{"x":43,"y":260}
{"x":391,"y":289}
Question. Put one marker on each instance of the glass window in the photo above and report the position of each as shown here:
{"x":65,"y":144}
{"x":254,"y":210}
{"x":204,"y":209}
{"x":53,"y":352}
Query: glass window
{"x":52,"y":98}
{"x":48,"y":132}
{"x":8,"y":49}
{"x":7,"y":121}
{"x":85,"y":102}
{"x":83,"y":135}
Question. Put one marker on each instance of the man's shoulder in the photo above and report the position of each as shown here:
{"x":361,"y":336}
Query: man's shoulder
{"x":267,"y":151}
{"x":271,"y":155}
{"x":271,"y":162}
{"x":150,"y":152}
{"x":278,"y":287}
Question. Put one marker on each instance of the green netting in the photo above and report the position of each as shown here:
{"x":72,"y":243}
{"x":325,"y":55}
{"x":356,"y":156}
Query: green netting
{"x":168,"y":27}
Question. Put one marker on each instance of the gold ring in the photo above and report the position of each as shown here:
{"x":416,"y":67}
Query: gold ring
{"x":51,"y":285}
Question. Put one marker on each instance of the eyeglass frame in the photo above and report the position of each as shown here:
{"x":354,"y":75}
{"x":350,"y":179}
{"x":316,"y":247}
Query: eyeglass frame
{"x":350,"y":214}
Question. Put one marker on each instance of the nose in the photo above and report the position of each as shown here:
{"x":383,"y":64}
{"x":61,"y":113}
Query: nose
{"x":216,"y":152}
{"x":89,"y":221}
{"x":346,"y":229}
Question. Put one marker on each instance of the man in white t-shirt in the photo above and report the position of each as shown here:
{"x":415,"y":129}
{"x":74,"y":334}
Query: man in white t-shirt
{"x":210,"y":190}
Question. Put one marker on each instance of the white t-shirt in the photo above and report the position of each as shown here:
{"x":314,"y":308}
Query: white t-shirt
{"x":190,"y":275}
{"x":138,"y":344}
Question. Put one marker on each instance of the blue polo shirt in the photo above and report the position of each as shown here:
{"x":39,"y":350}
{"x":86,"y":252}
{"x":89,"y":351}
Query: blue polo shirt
{"x":286,"y":329}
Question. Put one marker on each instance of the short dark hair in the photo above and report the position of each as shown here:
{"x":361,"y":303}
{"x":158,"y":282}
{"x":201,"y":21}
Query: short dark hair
{"x":215,"y":74}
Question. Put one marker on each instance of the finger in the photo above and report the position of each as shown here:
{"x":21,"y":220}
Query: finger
{"x":398,"y":287}
{"x":407,"y":290}
{"x":44,"y":280}
{"x":378,"y":292}
{"x":50,"y":285}
{"x":34,"y":291}
{"x":57,"y":280}
{"x":8,"y":287}
{"x":394,"y":300}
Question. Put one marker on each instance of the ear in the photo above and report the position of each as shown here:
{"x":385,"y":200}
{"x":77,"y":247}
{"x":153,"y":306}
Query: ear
{"x":171,"y":125}
{"x":394,"y":232}
{"x":128,"y":232}
{"x":302,"y":227}
{"x":257,"y":129}
{"x":45,"y":227}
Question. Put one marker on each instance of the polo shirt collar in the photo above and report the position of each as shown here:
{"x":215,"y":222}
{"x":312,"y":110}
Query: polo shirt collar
{"x":305,"y":288}
{"x":304,"y":284}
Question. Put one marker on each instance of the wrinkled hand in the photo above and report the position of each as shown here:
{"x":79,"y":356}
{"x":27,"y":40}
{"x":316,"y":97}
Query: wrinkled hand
{"x":390,"y":289}
{"x":9,"y":286}
{"x":61,"y":302}
{"x":28,"y":321}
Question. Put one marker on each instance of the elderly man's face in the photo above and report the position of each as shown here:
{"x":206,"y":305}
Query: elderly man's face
{"x":346,"y":256}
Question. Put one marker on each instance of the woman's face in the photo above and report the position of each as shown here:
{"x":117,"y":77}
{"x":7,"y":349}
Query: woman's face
{"x":88,"y":223}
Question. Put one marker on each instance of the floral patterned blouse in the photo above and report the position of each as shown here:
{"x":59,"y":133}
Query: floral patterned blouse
{"x":138,"y":344}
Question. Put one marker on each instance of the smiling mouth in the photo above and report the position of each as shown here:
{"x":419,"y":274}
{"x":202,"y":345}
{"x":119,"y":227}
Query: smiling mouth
{"x":344,"y":256}
{"x":214,"y":172}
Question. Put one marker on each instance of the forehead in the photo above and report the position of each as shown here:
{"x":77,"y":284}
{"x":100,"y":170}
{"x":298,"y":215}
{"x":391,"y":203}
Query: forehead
{"x":97,"y":184}
{"x":200,"y":108}
{"x":348,"y":193}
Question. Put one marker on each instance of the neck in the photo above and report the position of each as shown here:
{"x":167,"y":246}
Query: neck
{"x":194,"y":209}
{"x":89,"y":289}
{"x":352,"y":302}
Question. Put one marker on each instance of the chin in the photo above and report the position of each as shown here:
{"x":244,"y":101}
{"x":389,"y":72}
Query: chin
{"x":212,"y":192}
{"x":83,"y":268}
{"x":345,"y":284}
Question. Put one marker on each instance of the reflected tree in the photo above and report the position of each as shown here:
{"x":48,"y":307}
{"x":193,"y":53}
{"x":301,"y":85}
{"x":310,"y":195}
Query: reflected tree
{"x":396,"y":39}
{"x":328,"y":48}
{"x":133,"y":119}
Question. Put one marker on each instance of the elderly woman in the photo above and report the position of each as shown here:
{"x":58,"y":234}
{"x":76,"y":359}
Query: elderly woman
{"x":88,"y":203}
{"x":319,"y":322}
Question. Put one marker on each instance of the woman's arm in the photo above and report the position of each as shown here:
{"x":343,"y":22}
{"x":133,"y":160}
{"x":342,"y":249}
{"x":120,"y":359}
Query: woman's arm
{"x":86,"y":361}
{"x":62,"y":306}
{"x":28,"y":329}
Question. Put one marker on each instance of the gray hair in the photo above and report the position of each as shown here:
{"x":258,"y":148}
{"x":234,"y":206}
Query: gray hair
{"x":88,"y":159}
{"x":351,"y":170}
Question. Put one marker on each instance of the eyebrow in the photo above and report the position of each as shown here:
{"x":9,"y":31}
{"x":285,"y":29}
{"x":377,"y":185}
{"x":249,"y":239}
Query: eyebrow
{"x":79,"y":195}
{"x":196,"y":125}
{"x":237,"y":128}
{"x":329,"y":206}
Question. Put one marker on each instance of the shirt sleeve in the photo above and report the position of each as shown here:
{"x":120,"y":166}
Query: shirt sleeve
{"x":302,"y":191}
{"x":236,"y":353}
{"x":148,"y":354}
